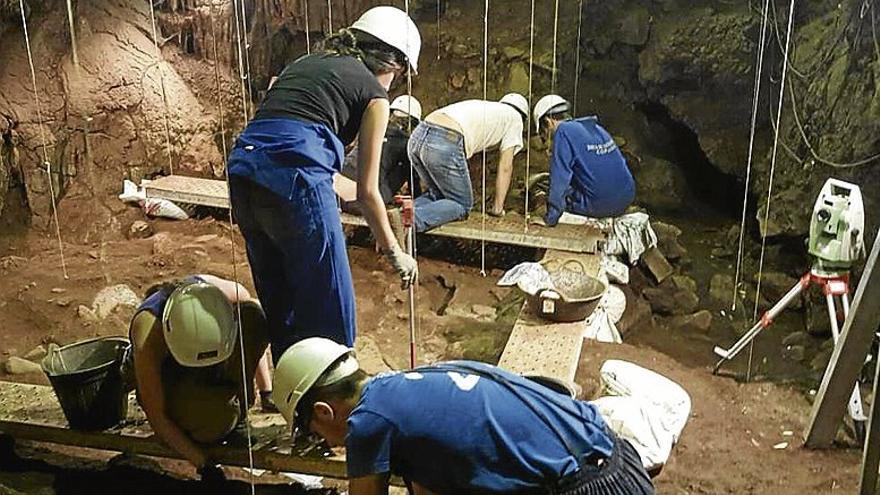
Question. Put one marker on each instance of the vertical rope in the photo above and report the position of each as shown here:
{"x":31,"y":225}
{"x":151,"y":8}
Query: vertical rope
{"x":241,"y":76}
{"x":772,"y":171}
{"x":555,"y":33}
{"x":413,"y":288}
{"x":73,"y":50}
{"x":247,"y":57}
{"x":577,"y":58}
{"x":759,"y":68}
{"x":526,"y":213}
{"x":244,"y":377}
{"x":308,"y":35}
{"x":45,"y":145}
{"x":162,"y":87}
{"x":330,"y":16}
{"x":219,"y":93}
{"x":439,"y":4}
{"x":485,"y":98}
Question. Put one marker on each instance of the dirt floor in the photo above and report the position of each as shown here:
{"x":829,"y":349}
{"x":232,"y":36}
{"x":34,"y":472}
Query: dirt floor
{"x":727,"y":446}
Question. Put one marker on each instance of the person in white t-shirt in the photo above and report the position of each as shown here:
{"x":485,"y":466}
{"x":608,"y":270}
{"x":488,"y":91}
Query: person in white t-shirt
{"x":440,"y":146}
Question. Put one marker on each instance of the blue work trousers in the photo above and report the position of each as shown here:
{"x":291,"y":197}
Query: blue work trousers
{"x":438,"y":155}
{"x":297,"y":253}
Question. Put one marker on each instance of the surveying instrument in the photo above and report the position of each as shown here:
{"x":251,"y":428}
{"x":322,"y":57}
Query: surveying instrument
{"x":836,"y":242}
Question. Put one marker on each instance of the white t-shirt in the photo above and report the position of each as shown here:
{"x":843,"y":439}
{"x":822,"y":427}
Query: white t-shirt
{"x":487,"y":125}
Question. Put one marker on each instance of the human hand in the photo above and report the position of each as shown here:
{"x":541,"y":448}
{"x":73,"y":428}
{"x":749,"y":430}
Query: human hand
{"x":404,"y":264}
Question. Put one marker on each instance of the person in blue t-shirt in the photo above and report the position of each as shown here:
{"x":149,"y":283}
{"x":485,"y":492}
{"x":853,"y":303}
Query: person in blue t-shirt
{"x":458,"y":427}
{"x":588,"y":173}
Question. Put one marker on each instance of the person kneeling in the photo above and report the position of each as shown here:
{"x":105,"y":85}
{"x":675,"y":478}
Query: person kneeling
{"x":452,"y":428}
{"x":588,"y":173}
{"x":187,"y":362}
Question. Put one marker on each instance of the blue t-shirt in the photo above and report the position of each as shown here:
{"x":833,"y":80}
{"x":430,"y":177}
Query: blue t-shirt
{"x":457,"y":433}
{"x":588,"y":173}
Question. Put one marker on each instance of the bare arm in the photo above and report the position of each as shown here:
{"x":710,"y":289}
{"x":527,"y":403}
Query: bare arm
{"x":371,"y":137}
{"x":148,"y":359}
{"x":502,"y":179}
{"x":376,"y":484}
{"x":232,"y":290}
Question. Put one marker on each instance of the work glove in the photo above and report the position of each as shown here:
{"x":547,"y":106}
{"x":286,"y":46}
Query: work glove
{"x":404,"y":264}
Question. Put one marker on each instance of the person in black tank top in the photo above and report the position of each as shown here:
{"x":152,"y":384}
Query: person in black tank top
{"x":281,"y":176}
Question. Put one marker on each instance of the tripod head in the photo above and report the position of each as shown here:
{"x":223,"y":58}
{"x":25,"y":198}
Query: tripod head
{"x":837,"y":228}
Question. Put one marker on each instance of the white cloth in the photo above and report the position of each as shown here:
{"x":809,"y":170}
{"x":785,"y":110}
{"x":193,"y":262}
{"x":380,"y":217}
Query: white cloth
{"x":632,"y":236}
{"x":643,"y":407}
{"x":600,"y":325}
{"x":487,"y":125}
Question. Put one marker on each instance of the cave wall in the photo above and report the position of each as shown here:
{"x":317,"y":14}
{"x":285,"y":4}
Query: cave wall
{"x":697,"y":59}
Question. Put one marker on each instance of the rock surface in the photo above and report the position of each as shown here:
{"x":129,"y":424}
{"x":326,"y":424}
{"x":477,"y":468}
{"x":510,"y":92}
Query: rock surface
{"x":20,"y":366}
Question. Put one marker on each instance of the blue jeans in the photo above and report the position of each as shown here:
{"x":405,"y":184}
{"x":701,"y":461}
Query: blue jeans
{"x":296,"y":250}
{"x":438,"y":156}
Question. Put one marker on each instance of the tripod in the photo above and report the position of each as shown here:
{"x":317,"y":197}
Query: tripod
{"x":833,"y":284}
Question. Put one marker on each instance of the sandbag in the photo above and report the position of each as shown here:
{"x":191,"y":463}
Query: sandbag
{"x":643,"y":407}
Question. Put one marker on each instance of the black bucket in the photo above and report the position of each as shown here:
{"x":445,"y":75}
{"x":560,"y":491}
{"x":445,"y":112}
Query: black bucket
{"x":87,"y":379}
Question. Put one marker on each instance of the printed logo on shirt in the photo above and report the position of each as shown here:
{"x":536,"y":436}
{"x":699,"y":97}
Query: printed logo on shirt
{"x":466,"y":383}
{"x":412,"y":375}
{"x":603,"y":148}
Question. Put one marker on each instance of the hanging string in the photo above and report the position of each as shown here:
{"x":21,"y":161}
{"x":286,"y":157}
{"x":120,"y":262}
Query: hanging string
{"x":45,"y":145}
{"x":756,"y":93}
{"x":555,"y":33}
{"x":162,"y":87}
{"x":217,"y":79}
{"x":308,"y":35}
{"x":244,"y":376}
{"x":772,"y":170}
{"x":247,"y":56}
{"x":485,"y":98}
{"x":73,"y":50}
{"x":526,"y":213}
{"x":329,"y":16}
{"x":439,"y":3}
{"x":241,"y":74}
{"x":577,"y":58}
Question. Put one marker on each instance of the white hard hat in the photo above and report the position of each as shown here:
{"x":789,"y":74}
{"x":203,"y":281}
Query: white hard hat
{"x":408,"y":105}
{"x":303,"y":366}
{"x":518,"y":102}
{"x":392,"y":26}
{"x":198,"y":325}
{"x":549,"y":104}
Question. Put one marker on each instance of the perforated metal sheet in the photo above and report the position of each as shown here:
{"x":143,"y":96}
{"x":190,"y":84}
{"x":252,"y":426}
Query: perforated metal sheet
{"x":510,"y":229}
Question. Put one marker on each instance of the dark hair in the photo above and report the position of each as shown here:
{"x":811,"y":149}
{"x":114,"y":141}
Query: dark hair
{"x":545,"y":121}
{"x":378,"y":56}
{"x":344,"y":389}
{"x":404,"y":122}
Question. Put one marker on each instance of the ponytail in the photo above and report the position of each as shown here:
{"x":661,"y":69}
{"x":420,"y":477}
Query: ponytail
{"x":378,"y":56}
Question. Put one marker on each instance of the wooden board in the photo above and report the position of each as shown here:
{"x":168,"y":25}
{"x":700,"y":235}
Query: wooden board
{"x":540,"y":347}
{"x":510,"y":229}
{"x":871,"y":454}
{"x":848,"y":357}
{"x":31,"y":412}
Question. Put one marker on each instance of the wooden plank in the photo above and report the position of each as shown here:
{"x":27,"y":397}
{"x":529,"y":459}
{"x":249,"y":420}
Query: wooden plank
{"x":871,"y":454}
{"x":510,"y":229}
{"x":539,"y":347}
{"x":30,"y":412}
{"x":848,"y":357}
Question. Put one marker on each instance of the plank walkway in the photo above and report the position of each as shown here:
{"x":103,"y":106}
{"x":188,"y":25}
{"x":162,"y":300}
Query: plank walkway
{"x":31,"y":412}
{"x":540,"y":347}
{"x":510,"y":229}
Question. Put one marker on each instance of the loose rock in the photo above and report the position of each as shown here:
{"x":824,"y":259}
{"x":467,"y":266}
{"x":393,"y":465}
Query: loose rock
{"x":700,"y":322}
{"x":794,"y":353}
{"x":672,"y":300}
{"x":163,"y":244}
{"x":638,"y":313}
{"x":36,"y":354}
{"x":85,"y":313}
{"x":140,"y":229}
{"x":109,"y":298}
{"x":774,"y":285}
{"x":20,"y":366}
{"x":721,"y":288}
{"x":483,"y":311}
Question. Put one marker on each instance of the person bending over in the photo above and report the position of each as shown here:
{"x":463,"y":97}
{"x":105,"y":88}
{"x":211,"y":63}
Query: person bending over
{"x":440,"y":147}
{"x":453,"y":428}
{"x":188,"y":361}
{"x":588,"y":173}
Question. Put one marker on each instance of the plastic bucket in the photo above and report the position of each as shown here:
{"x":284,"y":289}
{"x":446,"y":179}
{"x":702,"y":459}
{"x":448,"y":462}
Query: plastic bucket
{"x":87,"y":379}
